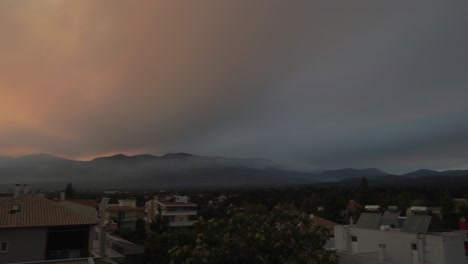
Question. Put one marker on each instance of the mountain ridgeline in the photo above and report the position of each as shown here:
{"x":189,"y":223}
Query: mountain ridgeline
{"x":182,"y":170}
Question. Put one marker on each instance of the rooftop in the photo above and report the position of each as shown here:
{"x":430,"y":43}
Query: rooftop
{"x":176,"y":203}
{"x":31,"y":210}
{"x":330,"y":225}
{"x":87,"y":202}
{"x":120,"y":208}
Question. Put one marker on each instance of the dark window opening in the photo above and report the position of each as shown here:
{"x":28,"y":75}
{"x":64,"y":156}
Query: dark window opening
{"x":3,"y":246}
{"x":414,"y":246}
{"x":354,"y":238}
{"x":121,"y":215}
{"x":61,"y":242}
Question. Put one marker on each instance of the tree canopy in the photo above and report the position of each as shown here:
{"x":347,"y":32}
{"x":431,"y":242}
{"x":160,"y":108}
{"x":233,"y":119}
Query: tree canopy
{"x":70,"y":191}
{"x":254,"y":234}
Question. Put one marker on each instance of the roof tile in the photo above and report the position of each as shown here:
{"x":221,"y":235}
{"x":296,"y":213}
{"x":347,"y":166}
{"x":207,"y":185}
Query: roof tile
{"x":36,"y":211}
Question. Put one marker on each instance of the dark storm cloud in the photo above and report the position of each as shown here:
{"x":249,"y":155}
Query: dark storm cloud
{"x":314,"y":83}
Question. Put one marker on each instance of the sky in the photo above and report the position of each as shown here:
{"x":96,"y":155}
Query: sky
{"x":308,"y":84}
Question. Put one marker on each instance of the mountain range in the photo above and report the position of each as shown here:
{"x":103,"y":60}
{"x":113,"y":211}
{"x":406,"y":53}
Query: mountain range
{"x":183,"y":170}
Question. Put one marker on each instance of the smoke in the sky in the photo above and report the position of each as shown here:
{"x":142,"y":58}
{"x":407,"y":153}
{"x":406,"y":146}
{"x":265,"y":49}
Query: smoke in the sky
{"x":326,"y":85}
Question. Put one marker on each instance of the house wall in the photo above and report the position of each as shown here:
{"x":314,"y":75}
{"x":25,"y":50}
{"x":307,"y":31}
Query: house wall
{"x":24,"y":244}
{"x":346,"y":258}
{"x":127,"y":202}
{"x":127,"y":222}
{"x":454,"y":248}
{"x":130,"y":214}
{"x":437,"y":249}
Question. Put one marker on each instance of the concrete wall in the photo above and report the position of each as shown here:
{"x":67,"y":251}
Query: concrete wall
{"x":127,"y":202}
{"x":454,"y":248}
{"x":129,"y":214}
{"x":24,"y":244}
{"x":398,"y":245}
{"x":346,"y":258}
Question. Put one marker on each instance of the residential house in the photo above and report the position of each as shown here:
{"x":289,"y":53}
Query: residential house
{"x":115,"y":248}
{"x":370,"y":242}
{"x":125,"y":212}
{"x":176,"y":210}
{"x":33,"y":228}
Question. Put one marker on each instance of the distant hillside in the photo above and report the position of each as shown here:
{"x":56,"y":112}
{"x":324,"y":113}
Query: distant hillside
{"x":179,"y":170}
{"x":184,"y":170}
{"x":336,"y":175}
{"x":424,"y":173}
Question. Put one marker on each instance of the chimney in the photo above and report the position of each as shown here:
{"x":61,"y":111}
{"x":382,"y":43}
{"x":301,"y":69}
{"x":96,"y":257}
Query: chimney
{"x":381,"y":252}
{"x":62,"y":195}
{"x":25,"y":188}
{"x":17,"y":190}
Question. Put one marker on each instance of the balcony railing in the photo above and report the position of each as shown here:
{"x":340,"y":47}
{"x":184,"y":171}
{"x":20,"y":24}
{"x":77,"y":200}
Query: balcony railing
{"x":170,"y":213}
{"x":129,"y":219}
{"x":64,"y":254}
{"x":182,"y":223}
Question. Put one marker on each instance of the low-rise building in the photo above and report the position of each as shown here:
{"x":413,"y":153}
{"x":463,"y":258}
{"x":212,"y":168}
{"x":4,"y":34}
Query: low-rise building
{"x":33,"y":228}
{"x":125,"y":212}
{"x":176,"y":210}
{"x":369,"y":242}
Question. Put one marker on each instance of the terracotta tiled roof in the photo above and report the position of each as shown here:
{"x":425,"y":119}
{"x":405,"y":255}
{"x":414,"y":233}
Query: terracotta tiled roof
{"x":88,"y":202}
{"x":353,"y":205}
{"x":120,"y":208}
{"x":36,"y":211}
{"x":177,"y":204}
{"x":330,"y":225}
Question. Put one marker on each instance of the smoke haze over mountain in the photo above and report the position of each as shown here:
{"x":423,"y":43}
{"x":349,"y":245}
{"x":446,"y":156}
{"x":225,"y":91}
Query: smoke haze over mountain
{"x":310,"y":84}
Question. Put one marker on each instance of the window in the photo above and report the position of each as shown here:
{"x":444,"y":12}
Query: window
{"x":121,"y":214}
{"x":354,"y":238}
{"x":181,"y":219}
{"x":3,"y":247}
{"x":414,"y":246}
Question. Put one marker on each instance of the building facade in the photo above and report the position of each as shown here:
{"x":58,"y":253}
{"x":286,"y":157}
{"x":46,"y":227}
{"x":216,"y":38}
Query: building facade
{"x":175,"y":210}
{"x":33,"y":228}
{"x":369,"y":244}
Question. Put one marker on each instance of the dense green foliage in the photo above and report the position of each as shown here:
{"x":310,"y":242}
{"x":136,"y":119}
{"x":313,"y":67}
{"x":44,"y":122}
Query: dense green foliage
{"x":244,"y":222}
{"x":254,"y":234}
{"x":69,"y":191}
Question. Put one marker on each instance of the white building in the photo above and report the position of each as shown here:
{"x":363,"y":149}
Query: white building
{"x":368,"y":242}
{"x":176,"y":210}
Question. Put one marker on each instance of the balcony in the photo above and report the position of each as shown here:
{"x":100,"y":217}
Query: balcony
{"x":64,"y":254}
{"x":129,"y":219}
{"x":177,"y":213}
{"x":182,"y":223}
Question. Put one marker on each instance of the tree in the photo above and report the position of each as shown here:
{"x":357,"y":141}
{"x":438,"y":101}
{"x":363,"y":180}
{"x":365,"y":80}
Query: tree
{"x":333,"y":203}
{"x":364,"y":192}
{"x":311,"y":203}
{"x":160,"y":223}
{"x":248,"y":235}
{"x":450,"y":219}
{"x":140,"y":229}
{"x":70,"y":191}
